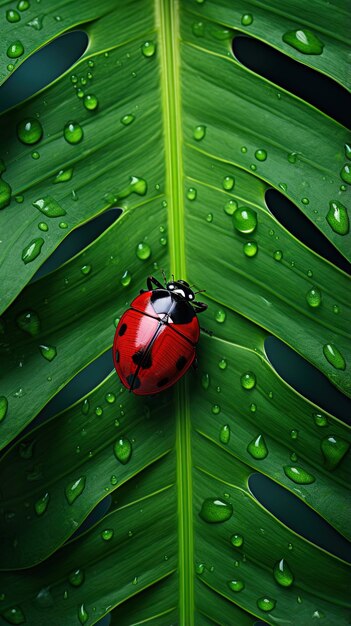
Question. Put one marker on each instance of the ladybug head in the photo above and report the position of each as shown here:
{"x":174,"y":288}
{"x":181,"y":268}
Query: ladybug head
{"x":182,"y":288}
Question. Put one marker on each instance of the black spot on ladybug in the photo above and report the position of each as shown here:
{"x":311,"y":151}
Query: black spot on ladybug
{"x":122,"y":330}
{"x":180,"y":363}
{"x":162,"y":382}
{"x":142,"y":358}
{"x":134,"y":383}
{"x":117,"y":356}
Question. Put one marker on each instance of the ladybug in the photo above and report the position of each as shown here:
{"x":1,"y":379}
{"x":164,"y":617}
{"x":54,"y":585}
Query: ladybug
{"x":156,"y":337}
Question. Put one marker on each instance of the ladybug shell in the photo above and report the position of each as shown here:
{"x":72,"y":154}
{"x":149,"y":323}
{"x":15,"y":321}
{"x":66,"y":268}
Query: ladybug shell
{"x":155,"y":341}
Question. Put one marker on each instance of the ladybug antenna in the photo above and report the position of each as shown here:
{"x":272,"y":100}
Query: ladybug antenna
{"x":200,"y":291}
{"x":164,"y":276}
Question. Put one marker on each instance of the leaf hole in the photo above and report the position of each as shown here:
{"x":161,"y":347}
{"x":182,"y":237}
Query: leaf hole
{"x":289,"y":216}
{"x":310,"y":85}
{"x":295,"y":514}
{"x":77,"y":240}
{"x":306,"y":379}
{"x":42,"y":67}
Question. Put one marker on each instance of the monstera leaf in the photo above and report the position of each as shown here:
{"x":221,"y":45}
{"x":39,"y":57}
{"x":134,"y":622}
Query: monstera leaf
{"x":159,"y":118}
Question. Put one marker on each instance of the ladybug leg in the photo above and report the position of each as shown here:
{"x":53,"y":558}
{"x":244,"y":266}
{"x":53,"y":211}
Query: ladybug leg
{"x":199,"y":306}
{"x":205,"y":330}
{"x":152,"y":282}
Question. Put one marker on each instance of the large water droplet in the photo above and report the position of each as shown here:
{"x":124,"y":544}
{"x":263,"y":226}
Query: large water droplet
{"x":314,"y":297}
{"x":337,"y":218}
{"x":261,"y":155}
{"x":277,"y":255}
{"x":257,"y":448}
{"x":12,"y":16}
{"x":224,"y":434}
{"x":41,"y":505}
{"x":90,"y":102}
{"x":245,"y":220}
{"x":3,"y":407}
{"x":123,"y":450}
{"x":107,"y":534}
{"x":82,"y":614}
{"x":63,"y":175}
{"x":304,"y":40}
{"x":236,"y":585}
{"x":298,"y":475}
{"x":110,"y":397}
{"x":191,"y":194}
{"x":334,"y":356}
{"x":266,"y":604}
{"x":250,"y":248}
{"x":333,"y":449}
{"x":76,"y":578}
{"x":73,"y":132}
{"x":237,"y":540}
{"x":246,"y":19}
{"x":14,"y":615}
{"x":75,"y":489}
{"x":248,"y":380}
{"x":29,"y":131}
{"x":220,"y":316}
{"x":199,"y":132}
{"x":48,"y":352}
{"x":346,"y":174}
{"x":283,"y":574}
{"x":143,"y":251}
{"x":23,"y":5}
{"x":215,"y":511}
{"x":33,"y":250}
{"x":49,"y":207}
{"x":148,"y":48}
{"x":15,"y":50}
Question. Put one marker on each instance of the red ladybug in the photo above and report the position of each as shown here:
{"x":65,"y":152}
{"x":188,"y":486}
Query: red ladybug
{"x":155,"y":339}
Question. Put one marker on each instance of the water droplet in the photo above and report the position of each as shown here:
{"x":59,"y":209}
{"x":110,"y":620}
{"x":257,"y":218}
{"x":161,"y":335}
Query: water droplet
{"x":12,"y":16}
{"x":337,"y":218}
{"x":209,"y":217}
{"x":36,"y":22}
{"x":248,"y":380}
{"x":236,"y":585}
{"x":220,"y":316}
{"x":148,"y":48}
{"x":199,"y":568}
{"x":91,"y":103}
{"x":35,"y":155}
{"x":76,"y":578}
{"x":222,"y":364}
{"x":127,"y":119}
{"x":261,"y":155}
{"x":245,"y":220}
{"x":246,"y":19}
{"x":216,"y":409}
{"x":123,"y":450}
{"x":85,"y":407}
{"x":143,"y":251}
{"x":73,"y":132}
{"x":29,"y":131}
{"x":163,"y":241}
{"x":333,"y":449}
{"x":41,"y":505}
{"x":48,"y":352}
{"x":346,"y":174}
{"x":334,"y":356}
{"x":250,"y":248}
{"x":198,"y":29}
{"x":277,"y":255}
{"x":49,"y":207}
{"x":336,"y":309}
{"x":205,"y":381}
{"x":110,"y":397}
{"x":199,"y":132}
{"x":283,"y":574}
{"x":33,"y":250}
{"x":99,"y":411}
{"x":63,"y":225}
{"x":82,"y":614}
{"x":224,"y":434}
{"x":228,"y":183}
{"x":137,"y":185}
{"x":191,"y":193}
{"x":75,"y":489}
{"x":298,"y":475}
{"x":237,"y":540}
{"x":314,"y":297}
{"x":214,"y":510}
{"x":14,"y":615}
{"x":305,"y":201}
{"x":257,"y":448}
{"x":320,"y":419}
{"x":230,"y":207}
{"x":107,"y":534}
{"x":5,"y":189}
{"x":3,"y":407}
{"x":15,"y":50}
{"x":126,"y":279}
{"x":85,"y":269}
{"x":304,"y":40}
{"x":266,"y":604}
{"x":23,"y":5}
{"x":113,"y":480}
{"x":294,"y":434}
{"x":64,"y":175}
{"x":29,"y":322}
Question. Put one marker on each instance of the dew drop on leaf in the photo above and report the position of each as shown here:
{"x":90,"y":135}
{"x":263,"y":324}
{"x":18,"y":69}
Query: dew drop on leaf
{"x":49,"y":207}
{"x":320,"y":419}
{"x":205,"y":380}
{"x":261,"y":155}
{"x":277,"y":255}
{"x":222,"y":364}
{"x":216,"y":409}
{"x":236,"y":585}
{"x":283,"y":574}
{"x":32,"y":250}
{"x":248,"y":380}
{"x":228,"y":183}
{"x":110,"y":397}
{"x":209,"y":217}
{"x":346,"y":174}
{"x":15,"y":50}
{"x":107,"y":534}
{"x":148,"y":48}
{"x":333,"y":449}
{"x":48,"y":352}
{"x":199,"y":568}
{"x":82,"y":614}
{"x":245,"y":220}
{"x":29,"y":131}
{"x":63,"y":225}
{"x":5,"y":189}
{"x":35,"y":155}
{"x":250,"y":248}
{"x":75,"y":489}
{"x":334,"y":356}
{"x":237,"y":540}
{"x":143,"y":251}
{"x":76,"y":578}
{"x":23,"y":5}
{"x":63,"y":175}
{"x":99,"y":411}
{"x":91,"y":102}
{"x":41,"y":504}
{"x":304,"y":41}
{"x":198,"y":29}
{"x":257,"y":448}
{"x":14,"y":615}
{"x":224,"y":434}
{"x":3,"y":407}
{"x":12,"y":16}
{"x":85,"y":407}
{"x":314,"y":297}
{"x":266,"y":604}
{"x":29,"y":322}
{"x":298,"y":475}
{"x":73,"y":132}
{"x":127,"y":119}
{"x":85,"y":269}
{"x":347,"y":151}
{"x":220,"y":316}
{"x":199,"y":132}
{"x":43,"y":227}
{"x":126,"y":279}
{"x":337,"y":218}
{"x":215,"y":510}
{"x":230,"y":207}
{"x":123,"y":450}
{"x":191,"y":193}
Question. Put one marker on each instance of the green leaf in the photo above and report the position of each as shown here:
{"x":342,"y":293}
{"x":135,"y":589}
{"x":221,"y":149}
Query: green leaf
{"x":187,"y":141}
